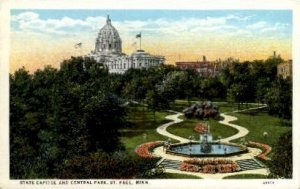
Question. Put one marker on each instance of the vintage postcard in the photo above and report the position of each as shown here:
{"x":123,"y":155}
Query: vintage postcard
{"x":141,"y":94}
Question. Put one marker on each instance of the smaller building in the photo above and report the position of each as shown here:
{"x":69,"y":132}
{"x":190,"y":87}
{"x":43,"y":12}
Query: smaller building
{"x":204,"y":68}
{"x":285,"y":69}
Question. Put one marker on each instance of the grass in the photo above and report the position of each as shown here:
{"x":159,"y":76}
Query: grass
{"x":176,"y":176}
{"x":246,"y":176}
{"x":142,"y":122}
{"x":186,"y":129}
{"x":258,"y":122}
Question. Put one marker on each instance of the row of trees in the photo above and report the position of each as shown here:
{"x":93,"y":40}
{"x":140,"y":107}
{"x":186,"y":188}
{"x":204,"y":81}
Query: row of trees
{"x":58,"y":117}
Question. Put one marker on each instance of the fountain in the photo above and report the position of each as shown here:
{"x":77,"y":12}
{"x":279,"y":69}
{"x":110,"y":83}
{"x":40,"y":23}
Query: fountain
{"x":206,"y":147}
{"x":205,"y":141}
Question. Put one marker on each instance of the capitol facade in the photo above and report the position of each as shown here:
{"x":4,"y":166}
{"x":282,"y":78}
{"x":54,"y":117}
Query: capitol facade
{"x":108,"y":50}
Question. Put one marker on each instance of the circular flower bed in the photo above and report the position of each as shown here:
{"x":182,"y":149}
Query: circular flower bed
{"x":210,"y":166}
{"x":201,"y":128}
{"x":266,"y":149}
{"x":144,"y":150}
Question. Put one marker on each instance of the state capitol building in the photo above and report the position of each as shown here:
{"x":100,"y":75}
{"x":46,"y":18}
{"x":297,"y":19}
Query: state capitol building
{"x":108,"y":50}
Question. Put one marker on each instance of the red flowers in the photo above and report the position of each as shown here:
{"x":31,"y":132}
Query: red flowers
{"x":189,"y":167}
{"x":267,"y":149}
{"x":210,"y":166}
{"x":144,"y":149}
{"x":201,"y":128}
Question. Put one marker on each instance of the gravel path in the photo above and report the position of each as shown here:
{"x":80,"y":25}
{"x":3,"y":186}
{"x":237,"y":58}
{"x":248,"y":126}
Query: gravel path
{"x":242,"y":131}
{"x":175,"y":119}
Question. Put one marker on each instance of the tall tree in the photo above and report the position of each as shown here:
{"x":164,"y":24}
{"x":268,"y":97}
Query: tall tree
{"x":282,"y":160}
{"x":279,"y":98}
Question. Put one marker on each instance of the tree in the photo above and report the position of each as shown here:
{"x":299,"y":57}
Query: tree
{"x":242,"y":88}
{"x":279,"y":98}
{"x":22,"y":149}
{"x":156,"y":100}
{"x":103,"y":116}
{"x":211,"y":88}
{"x":282,"y":160}
{"x":271,"y":67}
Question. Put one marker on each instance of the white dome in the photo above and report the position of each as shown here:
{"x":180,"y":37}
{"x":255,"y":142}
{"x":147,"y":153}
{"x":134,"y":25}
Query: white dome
{"x":108,"y":40}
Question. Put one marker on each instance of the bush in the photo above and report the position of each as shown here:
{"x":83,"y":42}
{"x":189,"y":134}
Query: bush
{"x":282,"y":160}
{"x":102,"y":165}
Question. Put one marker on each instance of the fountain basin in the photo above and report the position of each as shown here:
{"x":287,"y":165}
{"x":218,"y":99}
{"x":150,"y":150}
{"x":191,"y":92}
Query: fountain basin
{"x":193,"y":149}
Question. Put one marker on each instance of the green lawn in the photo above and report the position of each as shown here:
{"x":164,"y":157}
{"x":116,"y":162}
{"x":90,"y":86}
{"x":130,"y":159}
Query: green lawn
{"x":246,"y":176}
{"x":258,"y":122}
{"x":142,"y":121}
{"x":186,"y":129}
{"x":176,"y":176}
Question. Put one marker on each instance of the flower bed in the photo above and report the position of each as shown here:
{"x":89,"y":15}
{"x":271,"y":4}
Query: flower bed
{"x":144,"y":150}
{"x":209,"y":161}
{"x":189,"y":167}
{"x":210,"y":166}
{"x":266,"y":149}
{"x":201,"y":128}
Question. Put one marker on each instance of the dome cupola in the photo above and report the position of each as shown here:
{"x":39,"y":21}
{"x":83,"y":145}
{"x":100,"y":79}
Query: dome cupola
{"x":108,"y":40}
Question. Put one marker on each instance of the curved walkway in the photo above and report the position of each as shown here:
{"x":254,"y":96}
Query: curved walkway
{"x":241,"y":130}
{"x":175,"y":119}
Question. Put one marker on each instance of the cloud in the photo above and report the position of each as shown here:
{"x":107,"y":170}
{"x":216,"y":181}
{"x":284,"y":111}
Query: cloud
{"x":230,"y":25}
{"x":31,"y":21}
{"x":257,"y":25}
{"x":275,"y":28}
{"x":263,"y":27}
{"x":25,"y":16}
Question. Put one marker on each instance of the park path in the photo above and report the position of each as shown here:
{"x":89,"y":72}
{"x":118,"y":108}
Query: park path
{"x":242,"y":131}
{"x":175,"y":119}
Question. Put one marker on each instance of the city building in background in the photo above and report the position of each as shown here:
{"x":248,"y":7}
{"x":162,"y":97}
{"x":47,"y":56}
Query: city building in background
{"x":205,"y":68}
{"x":285,"y":69}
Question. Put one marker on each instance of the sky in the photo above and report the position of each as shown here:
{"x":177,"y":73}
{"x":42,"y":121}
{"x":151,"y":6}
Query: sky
{"x":47,"y":37}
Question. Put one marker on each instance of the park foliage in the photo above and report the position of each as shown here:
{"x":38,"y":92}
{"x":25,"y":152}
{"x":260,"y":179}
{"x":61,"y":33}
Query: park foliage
{"x":64,"y":119}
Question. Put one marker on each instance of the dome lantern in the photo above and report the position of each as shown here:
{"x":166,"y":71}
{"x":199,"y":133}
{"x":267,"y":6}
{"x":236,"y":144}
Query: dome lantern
{"x":108,"y":21}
